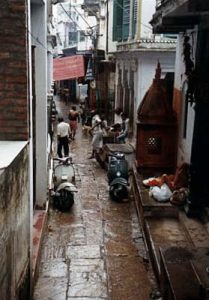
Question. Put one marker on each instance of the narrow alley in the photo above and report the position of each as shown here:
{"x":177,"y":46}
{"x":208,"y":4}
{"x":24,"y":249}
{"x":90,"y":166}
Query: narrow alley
{"x":96,"y":251}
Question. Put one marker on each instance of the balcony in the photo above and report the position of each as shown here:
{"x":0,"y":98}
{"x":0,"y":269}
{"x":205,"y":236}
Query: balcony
{"x":174,"y":16}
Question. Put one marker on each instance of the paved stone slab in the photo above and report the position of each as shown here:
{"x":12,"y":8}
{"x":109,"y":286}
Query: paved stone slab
{"x":53,"y":250}
{"x":88,"y":284}
{"x":118,"y":231}
{"x":91,"y":251}
{"x":88,"y":278}
{"x":94,"y":227}
{"x":90,"y":203}
{"x":77,"y":235}
{"x":113,"y":248}
{"x":49,"y":288}
{"x":119,"y":212}
{"x":127,"y":279}
{"x":57,"y":241}
{"x":82,"y":263}
{"x":55,"y":268}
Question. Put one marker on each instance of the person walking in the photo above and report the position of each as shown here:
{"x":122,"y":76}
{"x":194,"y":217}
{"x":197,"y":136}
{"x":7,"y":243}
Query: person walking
{"x":83,"y":113}
{"x":97,"y":133}
{"x":117,"y":115}
{"x":121,"y":138}
{"x":63,"y":133}
{"x":73,"y":118}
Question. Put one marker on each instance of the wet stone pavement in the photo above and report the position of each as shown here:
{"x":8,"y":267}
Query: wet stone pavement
{"x":95,"y":251}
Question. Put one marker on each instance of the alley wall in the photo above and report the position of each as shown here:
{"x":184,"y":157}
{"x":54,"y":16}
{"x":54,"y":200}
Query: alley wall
{"x":14,"y":228}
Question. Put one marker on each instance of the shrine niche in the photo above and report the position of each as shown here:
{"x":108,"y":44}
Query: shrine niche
{"x":156,"y":128}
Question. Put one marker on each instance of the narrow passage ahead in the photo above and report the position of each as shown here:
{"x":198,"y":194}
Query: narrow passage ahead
{"x":95,"y":251}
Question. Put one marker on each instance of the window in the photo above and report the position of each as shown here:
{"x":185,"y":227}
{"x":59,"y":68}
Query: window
{"x":72,"y":37}
{"x":117,"y":20}
{"x":126,"y":18}
{"x":121,"y":19}
{"x":82,"y":36}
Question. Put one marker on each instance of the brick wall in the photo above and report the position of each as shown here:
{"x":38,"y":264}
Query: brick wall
{"x":13,"y":71}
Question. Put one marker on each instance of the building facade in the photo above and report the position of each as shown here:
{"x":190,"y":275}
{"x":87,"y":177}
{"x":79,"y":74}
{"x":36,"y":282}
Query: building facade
{"x":73,"y":27}
{"x":189,"y":19}
{"x":137,"y":53}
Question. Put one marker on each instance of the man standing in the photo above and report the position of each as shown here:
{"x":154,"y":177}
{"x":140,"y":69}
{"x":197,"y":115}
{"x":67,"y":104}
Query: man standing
{"x":124,"y":129}
{"x":63,"y":132}
{"x":96,"y":132}
{"x":73,"y":118}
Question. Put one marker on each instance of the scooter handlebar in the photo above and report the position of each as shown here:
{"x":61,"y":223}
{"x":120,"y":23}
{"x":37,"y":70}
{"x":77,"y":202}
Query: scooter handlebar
{"x":117,"y":154}
{"x":64,"y":159}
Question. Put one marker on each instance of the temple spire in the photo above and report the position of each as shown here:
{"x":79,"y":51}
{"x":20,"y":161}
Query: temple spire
{"x":158,"y":72}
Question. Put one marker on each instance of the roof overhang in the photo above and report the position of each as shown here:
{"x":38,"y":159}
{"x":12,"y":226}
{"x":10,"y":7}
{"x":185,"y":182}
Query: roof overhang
{"x":173,"y":17}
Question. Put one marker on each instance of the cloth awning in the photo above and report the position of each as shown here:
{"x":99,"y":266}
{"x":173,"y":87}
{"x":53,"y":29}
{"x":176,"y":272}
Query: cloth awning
{"x":70,"y":67}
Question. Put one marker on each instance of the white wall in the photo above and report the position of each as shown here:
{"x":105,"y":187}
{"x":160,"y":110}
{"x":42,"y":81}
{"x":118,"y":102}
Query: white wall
{"x":144,"y":65}
{"x":39,"y":32}
{"x":49,"y":70}
{"x":102,"y":35}
{"x":111,"y":44}
{"x":147,"y":63}
{"x":147,"y":10}
{"x":185,"y":144}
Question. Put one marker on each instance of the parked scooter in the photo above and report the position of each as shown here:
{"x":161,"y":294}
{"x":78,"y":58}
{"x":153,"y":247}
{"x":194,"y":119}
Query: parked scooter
{"x":117,"y":174}
{"x":64,"y":183}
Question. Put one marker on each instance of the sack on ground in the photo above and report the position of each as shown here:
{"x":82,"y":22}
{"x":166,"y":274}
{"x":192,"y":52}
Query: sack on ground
{"x":161,"y":194}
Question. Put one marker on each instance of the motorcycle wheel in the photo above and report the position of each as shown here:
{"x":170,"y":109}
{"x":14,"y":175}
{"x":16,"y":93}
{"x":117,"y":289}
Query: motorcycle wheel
{"x":118,"y":192}
{"x":64,"y":201}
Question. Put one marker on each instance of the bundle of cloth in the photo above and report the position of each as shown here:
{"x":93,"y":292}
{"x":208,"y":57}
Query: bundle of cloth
{"x":170,"y":187}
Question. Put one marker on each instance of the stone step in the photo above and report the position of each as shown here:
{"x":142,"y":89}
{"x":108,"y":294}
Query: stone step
{"x":183,"y":273}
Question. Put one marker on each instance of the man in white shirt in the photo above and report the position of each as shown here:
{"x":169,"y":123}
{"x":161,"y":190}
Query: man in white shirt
{"x":63,"y":132}
{"x":124,"y":129}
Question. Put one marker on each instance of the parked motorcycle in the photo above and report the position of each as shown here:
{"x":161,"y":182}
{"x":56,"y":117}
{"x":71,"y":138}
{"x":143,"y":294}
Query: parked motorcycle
{"x":64,"y":183}
{"x":117,"y":174}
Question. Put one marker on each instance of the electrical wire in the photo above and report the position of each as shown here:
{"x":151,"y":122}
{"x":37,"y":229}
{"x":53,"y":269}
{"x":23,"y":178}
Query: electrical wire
{"x":91,"y":35}
{"x":44,"y":47}
{"x":82,"y":17}
{"x":69,"y":16}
